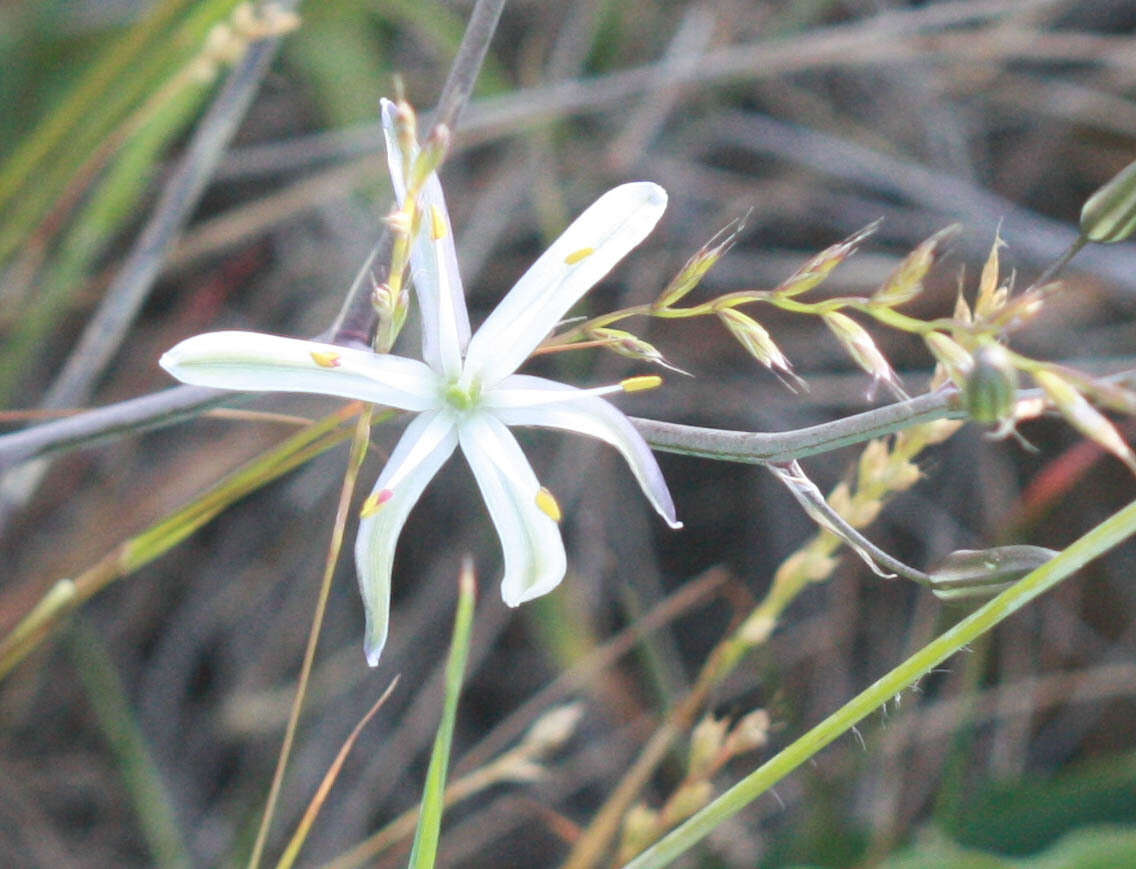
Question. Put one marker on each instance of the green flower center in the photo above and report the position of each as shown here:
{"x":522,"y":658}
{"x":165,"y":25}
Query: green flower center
{"x":460,"y":398}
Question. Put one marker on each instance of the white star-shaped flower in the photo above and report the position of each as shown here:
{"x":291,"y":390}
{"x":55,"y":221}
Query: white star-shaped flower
{"x":465,"y":391}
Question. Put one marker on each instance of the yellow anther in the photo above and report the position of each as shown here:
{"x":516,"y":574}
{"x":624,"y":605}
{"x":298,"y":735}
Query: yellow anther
{"x":437,"y":223}
{"x":375,"y":502}
{"x":547,"y":504}
{"x":577,"y":255}
{"x":641,"y":383}
{"x":326,"y":358}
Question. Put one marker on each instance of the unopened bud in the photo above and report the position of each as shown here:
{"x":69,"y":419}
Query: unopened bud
{"x":695,"y":268}
{"x":956,"y":362}
{"x":401,"y":220}
{"x":990,"y":389}
{"x":1083,"y":416}
{"x":554,"y":728}
{"x":630,"y":346}
{"x":382,"y":298}
{"x":706,"y":741}
{"x":873,"y":463}
{"x":906,"y":282}
{"x":991,"y":297}
{"x":640,"y":830}
{"x":862,"y":349}
{"x":406,"y":133}
{"x":755,"y":339}
{"x":751,"y":732}
{"x":819,"y":267}
{"x":430,"y":157}
{"x":985,"y":572}
{"x":808,"y":565}
{"x":1110,"y":213}
{"x":688,"y":799}
{"x":962,"y":312}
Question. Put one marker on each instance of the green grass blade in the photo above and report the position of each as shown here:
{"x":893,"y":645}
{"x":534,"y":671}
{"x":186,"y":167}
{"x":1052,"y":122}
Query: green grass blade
{"x":141,"y":776}
{"x":1097,"y":541}
{"x":425,"y":849}
{"x":166,"y":533}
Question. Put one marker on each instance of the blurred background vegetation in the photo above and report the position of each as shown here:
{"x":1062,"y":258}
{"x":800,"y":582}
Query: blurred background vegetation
{"x":146,"y":731}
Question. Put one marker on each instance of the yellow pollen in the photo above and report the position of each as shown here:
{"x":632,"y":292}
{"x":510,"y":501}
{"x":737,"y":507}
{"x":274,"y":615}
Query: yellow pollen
{"x":375,"y":502}
{"x":547,"y":504}
{"x":577,"y":255}
{"x":326,"y":358}
{"x":638,"y":384}
{"x":437,"y":223}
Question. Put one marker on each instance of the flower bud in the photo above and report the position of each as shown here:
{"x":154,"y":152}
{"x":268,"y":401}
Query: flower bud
{"x":755,"y":339}
{"x":640,"y":830}
{"x":631,"y":346}
{"x":430,"y":157}
{"x":688,"y":799}
{"x":956,"y":362}
{"x":819,"y":267}
{"x":906,"y":282}
{"x":554,"y":728}
{"x":991,"y":297}
{"x":1083,"y":416}
{"x":862,"y":349}
{"x":985,"y":572}
{"x":706,"y":741}
{"x":749,"y":733}
{"x":991,"y":388}
{"x":1110,"y":213}
{"x":695,"y":268}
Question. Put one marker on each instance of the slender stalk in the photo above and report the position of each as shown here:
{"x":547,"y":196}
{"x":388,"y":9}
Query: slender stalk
{"x":355,"y":462}
{"x":1099,"y":540}
{"x":356,"y":319}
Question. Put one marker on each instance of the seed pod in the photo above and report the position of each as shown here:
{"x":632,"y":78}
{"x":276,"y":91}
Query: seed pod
{"x":991,"y":386}
{"x":985,"y":572}
{"x":1110,"y":213}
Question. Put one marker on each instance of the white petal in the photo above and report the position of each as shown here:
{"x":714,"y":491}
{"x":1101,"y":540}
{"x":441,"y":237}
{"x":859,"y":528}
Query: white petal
{"x":268,"y":363}
{"x":428,"y":441}
{"x":433,"y":265}
{"x":535,"y":562}
{"x":588,"y":249}
{"x":581,"y":412}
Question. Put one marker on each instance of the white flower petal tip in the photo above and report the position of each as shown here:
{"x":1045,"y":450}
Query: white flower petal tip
{"x":423,"y":448}
{"x":533,"y":551}
{"x":373,"y":647}
{"x":255,"y":362}
{"x":522,"y":399}
{"x":584,"y":253}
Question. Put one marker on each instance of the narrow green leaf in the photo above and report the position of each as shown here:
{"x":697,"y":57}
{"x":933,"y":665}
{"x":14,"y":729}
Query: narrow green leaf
{"x":426,"y":837}
{"x":147,"y":792}
{"x":1100,"y":539}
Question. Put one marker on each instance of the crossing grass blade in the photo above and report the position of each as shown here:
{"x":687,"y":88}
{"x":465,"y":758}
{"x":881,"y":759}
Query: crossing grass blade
{"x":425,"y":849}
